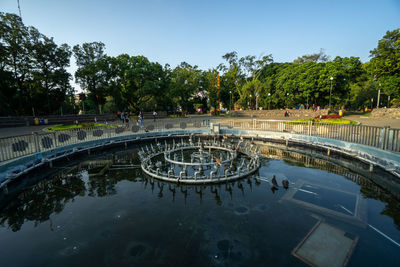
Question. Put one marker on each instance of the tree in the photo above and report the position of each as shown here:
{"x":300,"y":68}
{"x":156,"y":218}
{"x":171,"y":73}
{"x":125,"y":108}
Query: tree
{"x":185,"y":82}
{"x":91,"y":72}
{"x":316,"y":57}
{"x":33,"y":69}
{"x":49,"y":69}
{"x":14,"y":37}
{"x":385,"y":62}
{"x":209,"y":84}
{"x":231,"y":79}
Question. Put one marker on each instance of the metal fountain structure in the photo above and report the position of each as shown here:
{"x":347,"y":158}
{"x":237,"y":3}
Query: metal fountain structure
{"x":202,"y":162}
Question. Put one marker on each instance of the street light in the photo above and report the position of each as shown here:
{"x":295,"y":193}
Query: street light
{"x":330,"y":93}
{"x":250,"y":101}
{"x":287,"y":97}
{"x":269,"y":101}
{"x":230,"y":109}
{"x":379,"y":96}
{"x":257,"y":100}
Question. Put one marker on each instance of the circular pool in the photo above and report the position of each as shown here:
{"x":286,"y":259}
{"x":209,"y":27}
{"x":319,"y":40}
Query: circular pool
{"x":204,"y":162}
{"x":299,"y":208}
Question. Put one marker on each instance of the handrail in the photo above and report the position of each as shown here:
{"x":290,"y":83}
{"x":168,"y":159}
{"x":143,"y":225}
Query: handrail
{"x":384,"y":138}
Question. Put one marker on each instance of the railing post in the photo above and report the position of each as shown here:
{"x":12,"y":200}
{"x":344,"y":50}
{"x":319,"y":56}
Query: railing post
{"x":382,"y":137}
{"x":55,"y":139}
{"x":36,"y":140}
{"x":385,"y":137}
{"x":309,"y":128}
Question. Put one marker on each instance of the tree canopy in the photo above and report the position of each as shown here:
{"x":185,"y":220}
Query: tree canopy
{"x":34,"y":79}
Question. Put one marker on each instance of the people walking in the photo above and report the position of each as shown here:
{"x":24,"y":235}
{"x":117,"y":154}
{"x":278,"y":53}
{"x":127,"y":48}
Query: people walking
{"x":154,"y":115}
{"x":122,"y":117}
{"x":126,"y":118}
{"x":141,"y":117}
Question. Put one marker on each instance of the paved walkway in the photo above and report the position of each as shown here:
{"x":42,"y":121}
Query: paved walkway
{"x":16,"y":131}
{"x":393,"y":123}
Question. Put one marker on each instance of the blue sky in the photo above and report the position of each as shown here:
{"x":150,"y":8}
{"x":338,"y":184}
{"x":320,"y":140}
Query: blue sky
{"x":200,"y":32}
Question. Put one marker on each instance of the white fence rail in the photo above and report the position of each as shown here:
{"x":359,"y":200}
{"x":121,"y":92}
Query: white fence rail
{"x":384,"y":138}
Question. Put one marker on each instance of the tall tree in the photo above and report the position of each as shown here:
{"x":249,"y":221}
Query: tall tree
{"x":14,"y":38}
{"x":91,"y":72}
{"x":185,"y":82}
{"x":50,"y":62}
{"x":33,"y":69}
{"x":385,"y":61}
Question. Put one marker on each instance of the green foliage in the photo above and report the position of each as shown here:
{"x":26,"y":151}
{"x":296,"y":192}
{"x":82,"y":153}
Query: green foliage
{"x":385,"y":63}
{"x":33,"y":78}
{"x":32,"y":70}
{"x":91,"y":62}
{"x":186,"y":82}
{"x":135,"y":83}
{"x":62,"y":127}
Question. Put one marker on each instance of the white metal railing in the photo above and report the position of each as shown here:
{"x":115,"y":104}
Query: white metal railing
{"x":385,"y":138}
{"x":18,"y":146}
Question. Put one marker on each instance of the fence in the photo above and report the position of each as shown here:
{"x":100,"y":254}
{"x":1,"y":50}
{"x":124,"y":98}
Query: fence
{"x":380,"y":137}
{"x":385,"y":138}
{"x":18,"y":146}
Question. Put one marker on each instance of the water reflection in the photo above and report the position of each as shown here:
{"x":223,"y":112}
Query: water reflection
{"x":98,"y":178}
{"x":368,"y":188}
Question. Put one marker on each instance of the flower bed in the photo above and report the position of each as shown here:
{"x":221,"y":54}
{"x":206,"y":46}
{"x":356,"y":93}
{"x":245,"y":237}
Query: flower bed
{"x":328,"y":117}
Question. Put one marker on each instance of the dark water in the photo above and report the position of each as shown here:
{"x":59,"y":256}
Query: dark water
{"x":102,"y":214}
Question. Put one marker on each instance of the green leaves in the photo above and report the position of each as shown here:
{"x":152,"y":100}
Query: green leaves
{"x":385,"y":63}
{"x":34,"y":69}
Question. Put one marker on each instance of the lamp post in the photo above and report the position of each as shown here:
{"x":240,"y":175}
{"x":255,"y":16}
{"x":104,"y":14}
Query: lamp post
{"x":379,"y":96}
{"x":330,"y":93}
{"x":287,"y":99}
{"x":269,"y":101}
{"x":372,"y":102}
{"x":230,"y":106}
{"x":257,"y":100}
{"x":250,"y":102}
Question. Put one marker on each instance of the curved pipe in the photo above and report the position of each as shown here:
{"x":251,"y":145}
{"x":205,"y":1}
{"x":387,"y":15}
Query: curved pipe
{"x":212,"y":173}
{"x":226,"y":173}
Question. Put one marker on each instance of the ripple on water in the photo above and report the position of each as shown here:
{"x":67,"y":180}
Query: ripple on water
{"x":241,"y":210}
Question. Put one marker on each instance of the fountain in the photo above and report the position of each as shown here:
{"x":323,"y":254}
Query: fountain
{"x":205,"y":161}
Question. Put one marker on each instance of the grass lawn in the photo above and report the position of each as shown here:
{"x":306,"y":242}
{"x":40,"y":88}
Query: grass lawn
{"x":338,"y":121}
{"x":62,"y":127}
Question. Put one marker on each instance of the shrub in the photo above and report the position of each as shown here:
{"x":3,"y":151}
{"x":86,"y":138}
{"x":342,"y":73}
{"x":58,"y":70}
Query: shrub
{"x":328,"y":117}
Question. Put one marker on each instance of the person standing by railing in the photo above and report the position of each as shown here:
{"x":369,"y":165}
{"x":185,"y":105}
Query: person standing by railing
{"x":154,"y":115}
{"x":126,"y":119}
{"x":141,"y":117}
